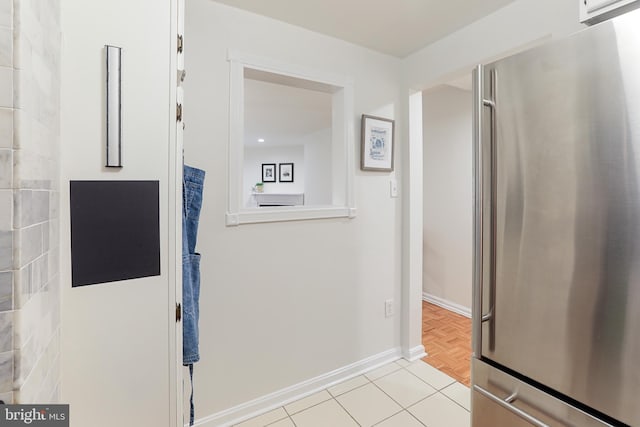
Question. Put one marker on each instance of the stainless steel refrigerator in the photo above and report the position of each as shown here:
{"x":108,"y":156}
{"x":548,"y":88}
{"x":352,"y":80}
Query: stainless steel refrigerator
{"x":556,"y":318}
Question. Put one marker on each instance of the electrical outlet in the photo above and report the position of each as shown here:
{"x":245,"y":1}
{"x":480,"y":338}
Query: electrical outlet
{"x":388,"y":308}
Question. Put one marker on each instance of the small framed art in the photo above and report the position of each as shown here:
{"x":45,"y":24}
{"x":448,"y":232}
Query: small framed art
{"x":286,"y":172}
{"x":268,"y":172}
{"x":376,"y":153}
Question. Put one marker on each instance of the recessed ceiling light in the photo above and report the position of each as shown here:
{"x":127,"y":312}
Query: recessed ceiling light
{"x":260,"y":139}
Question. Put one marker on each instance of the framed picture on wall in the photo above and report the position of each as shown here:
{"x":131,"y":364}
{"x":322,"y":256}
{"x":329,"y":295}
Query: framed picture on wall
{"x":376,"y":153}
{"x":286,"y":172}
{"x":268,"y":172}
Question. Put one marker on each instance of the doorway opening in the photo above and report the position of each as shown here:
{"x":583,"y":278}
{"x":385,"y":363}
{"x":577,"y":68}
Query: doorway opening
{"x":447,"y":227}
{"x":446,"y":208}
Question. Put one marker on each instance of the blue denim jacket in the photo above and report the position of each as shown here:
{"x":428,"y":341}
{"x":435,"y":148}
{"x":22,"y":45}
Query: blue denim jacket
{"x":193,"y":180}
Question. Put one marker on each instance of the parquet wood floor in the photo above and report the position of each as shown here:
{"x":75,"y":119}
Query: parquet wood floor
{"x":446,"y":337}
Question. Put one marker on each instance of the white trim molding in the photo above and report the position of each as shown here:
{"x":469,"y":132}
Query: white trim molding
{"x":290,"y":213}
{"x":343,"y":135}
{"x":415,"y":353}
{"x":412,"y":219}
{"x":448,"y":305}
{"x":271,"y":401}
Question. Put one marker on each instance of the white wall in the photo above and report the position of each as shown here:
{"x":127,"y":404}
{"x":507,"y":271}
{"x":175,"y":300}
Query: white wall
{"x":317,"y":158}
{"x":516,"y":25}
{"x":448,"y":207}
{"x":254,"y":157}
{"x":285,"y":302}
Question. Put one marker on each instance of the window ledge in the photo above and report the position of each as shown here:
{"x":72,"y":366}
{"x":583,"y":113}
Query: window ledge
{"x":287,"y":213}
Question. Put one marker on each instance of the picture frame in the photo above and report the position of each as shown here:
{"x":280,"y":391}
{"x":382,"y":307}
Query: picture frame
{"x":268,"y":172}
{"x":377,"y":144}
{"x":285,"y":172}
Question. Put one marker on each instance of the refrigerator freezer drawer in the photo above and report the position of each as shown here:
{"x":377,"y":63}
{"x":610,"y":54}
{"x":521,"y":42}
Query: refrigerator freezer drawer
{"x":487,"y":413}
{"x":500,"y":400}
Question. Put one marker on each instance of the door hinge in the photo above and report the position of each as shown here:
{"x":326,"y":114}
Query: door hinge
{"x":178,"y":312}
{"x":179,"y":112}
{"x":180,"y":43}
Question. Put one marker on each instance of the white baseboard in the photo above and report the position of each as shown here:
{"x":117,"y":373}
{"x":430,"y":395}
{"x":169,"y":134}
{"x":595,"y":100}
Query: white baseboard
{"x":415,"y":353}
{"x":271,"y":401}
{"x":451,"y":306}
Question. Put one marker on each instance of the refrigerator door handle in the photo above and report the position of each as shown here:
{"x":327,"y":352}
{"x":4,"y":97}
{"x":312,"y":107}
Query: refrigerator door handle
{"x":491,"y":103}
{"x":480,"y":102}
{"x":487,"y":317}
{"x":478,"y":80}
{"x":507,"y":404}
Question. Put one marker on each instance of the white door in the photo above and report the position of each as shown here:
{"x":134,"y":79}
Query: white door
{"x":181,"y":375}
{"x":120,"y":340}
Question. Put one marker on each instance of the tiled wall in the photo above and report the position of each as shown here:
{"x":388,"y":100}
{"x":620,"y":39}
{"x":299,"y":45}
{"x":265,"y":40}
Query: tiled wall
{"x":29,"y":172}
{"x":6,"y":201}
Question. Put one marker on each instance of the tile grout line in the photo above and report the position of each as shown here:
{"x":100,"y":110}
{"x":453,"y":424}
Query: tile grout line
{"x":455,"y":401}
{"x":289,"y":415}
{"x":265,"y":413}
{"x":285,"y":411}
{"x":403,"y":408}
{"x":332,"y":397}
{"x":416,"y":418}
{"x":349,"y":391}
{"x":389,"y":396}
{"x":389,"y":373}
{"x":281,"y":419}
{"x":431,"y":385}
{"x":348,"y":413}
{"x":309,"y":407}
{"x":390,"y":416}
{"x":437,"y":391}
{"x":431,"y":395}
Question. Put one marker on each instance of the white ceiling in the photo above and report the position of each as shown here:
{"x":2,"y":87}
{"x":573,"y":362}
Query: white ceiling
{"x":394,"y":27}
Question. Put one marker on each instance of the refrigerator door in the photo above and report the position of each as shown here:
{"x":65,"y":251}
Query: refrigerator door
{"x":559,"y":186}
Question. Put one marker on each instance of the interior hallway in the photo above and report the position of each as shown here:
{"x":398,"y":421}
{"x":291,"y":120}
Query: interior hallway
{"x":446,"y":337}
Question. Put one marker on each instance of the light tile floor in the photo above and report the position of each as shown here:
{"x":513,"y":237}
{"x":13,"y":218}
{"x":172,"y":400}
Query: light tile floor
{"x":399,"y":394}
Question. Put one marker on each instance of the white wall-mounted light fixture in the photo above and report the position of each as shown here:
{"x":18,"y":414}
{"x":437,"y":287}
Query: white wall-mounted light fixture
{"x":114,"y":107}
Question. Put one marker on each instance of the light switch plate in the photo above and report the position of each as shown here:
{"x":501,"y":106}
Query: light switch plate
{"x":393,"y":188}
{"x":388,"y":308}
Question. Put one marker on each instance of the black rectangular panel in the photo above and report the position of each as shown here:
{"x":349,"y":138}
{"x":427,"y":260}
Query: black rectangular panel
{"x":115,"y":231}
